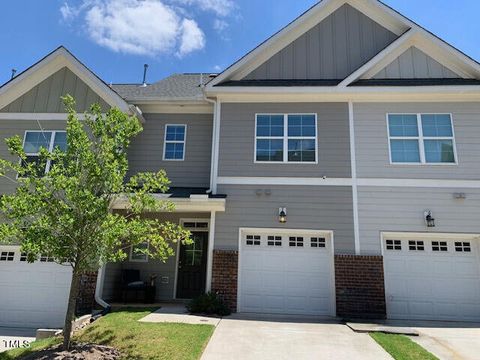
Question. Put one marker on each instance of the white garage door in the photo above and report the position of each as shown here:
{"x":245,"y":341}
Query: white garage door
{"x":286,"y":273}
{"x":32,"y":295}
{"x":432,"y":278}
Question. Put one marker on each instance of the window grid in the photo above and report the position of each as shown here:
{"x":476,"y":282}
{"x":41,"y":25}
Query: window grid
{"x":316,"y":242}
{"x":421,"y":139}
{"x":439,"y":246}
{"x":46,"y":258}
{"x":394,"y":244}
{"x":177,"y":144}
{"x":285,"y":139}
{"x":295,"y":241}
{"x":416,"y":245}
{"x":274,"y":241}
{"x":52,"y":143}
{"x":464,"y":246}
{"x":7,"y":256}
{"x":253,"y":240}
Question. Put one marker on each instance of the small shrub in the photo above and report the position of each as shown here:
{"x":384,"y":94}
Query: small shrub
{"x":210,"y":304}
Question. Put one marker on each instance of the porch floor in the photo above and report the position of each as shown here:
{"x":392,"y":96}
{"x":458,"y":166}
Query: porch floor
{"x":177,"y":313}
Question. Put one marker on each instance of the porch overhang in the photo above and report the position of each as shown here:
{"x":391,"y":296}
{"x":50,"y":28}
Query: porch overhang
{"x":194,"y":203}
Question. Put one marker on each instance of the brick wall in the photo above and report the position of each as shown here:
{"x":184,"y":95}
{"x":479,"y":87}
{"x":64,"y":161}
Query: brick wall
{"x":86,"y":293}
{"x":225,"y":276}
{"x":360,"y":286}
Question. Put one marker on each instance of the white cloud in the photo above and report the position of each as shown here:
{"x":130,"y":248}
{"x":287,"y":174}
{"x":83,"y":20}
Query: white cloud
{"x":220,"y":25}
{"x":219,"y":7}
{"x":144,"y":27}
{"x":192,"y":38}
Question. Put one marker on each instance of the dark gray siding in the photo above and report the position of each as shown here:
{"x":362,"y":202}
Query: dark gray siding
{"x":9,"y":128}
{"x":371,"y":140}
{"x":401,"y":210}
{"x":312,"y":207}
{"x":237,"y":140}
{"x":166,"y":270}
{"x":146,"y":151}
{"x":415,"y":64}
{"x":45,"y":97}
{"x":333,"y":49}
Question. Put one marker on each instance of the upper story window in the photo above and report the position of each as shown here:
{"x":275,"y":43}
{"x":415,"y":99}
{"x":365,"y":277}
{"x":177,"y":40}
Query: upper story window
{"x":286,"y":138}
{"x":421,"y":139}
{"x":35,"y":140}
{"x":174,"y":144}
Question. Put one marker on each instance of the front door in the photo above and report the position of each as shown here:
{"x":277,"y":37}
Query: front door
{"x":192,"y":267}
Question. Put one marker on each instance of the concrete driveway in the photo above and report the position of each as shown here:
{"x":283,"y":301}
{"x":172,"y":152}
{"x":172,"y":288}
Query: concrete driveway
{"x":448,"y":340}
{"x":11,"y":338}
{"x":241,"y":338}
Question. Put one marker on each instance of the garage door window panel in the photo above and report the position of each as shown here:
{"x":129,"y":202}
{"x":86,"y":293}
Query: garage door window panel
{"x":414,"y":245}
{"x":7,"y":256}
{"x":253,"y":240}
{"x":295,"y":241}
{"x":439,"y":246}
{"x":316,"y":242}
{"x":274,"y":241}
{"x":463,"y":246}
{"x":394,"y":245}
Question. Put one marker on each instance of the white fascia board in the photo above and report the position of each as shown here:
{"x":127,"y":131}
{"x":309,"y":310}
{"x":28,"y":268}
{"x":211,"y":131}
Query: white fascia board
{"x":382,"y":59}
{"x":419,"y":183}
{"x":47,"y":67}
{"x":287,"y":181}
{"x":429,"y":236}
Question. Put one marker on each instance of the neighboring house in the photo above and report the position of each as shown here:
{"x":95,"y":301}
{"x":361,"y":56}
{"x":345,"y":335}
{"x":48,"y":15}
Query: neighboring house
{"x":333,"y":170}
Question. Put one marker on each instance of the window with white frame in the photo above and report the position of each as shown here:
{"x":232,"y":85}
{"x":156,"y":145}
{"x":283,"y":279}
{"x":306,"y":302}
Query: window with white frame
{"x":421,"y":139}
{"x":137,"y":253}
{"x":174,"y":144}
{"x":34,"y":140}
{"x":286,"y":138}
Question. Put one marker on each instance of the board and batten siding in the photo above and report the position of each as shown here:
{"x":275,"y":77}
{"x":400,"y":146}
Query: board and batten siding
{"x":333,"y":49}
{"x":146,"y":150}
{"x":165,"y":288}
{"x":46,"y":96}
{"x":237,"y":140}
{"x":415,"y":64}
{"x":312,"y":207}
{"x":9,"y":128}
{"x":371,"y":139}
{"x":386,"y":209}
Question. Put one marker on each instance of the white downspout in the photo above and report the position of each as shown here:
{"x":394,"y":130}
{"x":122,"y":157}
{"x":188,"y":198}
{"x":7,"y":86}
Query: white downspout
{"x":99,"y":288}
{"x":213,"y":185}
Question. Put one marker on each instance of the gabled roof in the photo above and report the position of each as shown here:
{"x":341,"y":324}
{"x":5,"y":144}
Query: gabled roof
{"x":53,"y":62}
{"x":186,"y":87}
{"x":409,"y":34}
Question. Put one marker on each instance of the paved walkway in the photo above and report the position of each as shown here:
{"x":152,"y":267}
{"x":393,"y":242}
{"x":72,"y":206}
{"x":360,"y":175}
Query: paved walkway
{"x":239,"y":338}
{"x":176,"y":313}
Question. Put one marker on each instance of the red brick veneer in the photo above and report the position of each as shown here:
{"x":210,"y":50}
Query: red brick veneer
{"x":360,"y":286}
{"x":225,"y":276}
{"x":86,"y":293}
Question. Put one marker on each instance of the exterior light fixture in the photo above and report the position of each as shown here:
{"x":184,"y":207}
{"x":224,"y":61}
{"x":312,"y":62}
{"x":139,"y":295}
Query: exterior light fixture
{"x":429,"y":220}
{"x":282,"y":215}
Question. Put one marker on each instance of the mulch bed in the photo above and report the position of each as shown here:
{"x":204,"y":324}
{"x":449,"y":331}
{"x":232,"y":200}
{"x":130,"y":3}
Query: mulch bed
{"x":77,"y":352}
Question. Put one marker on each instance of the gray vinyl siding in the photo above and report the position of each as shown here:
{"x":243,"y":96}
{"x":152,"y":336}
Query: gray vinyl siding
{"x":165,"y":291}
{"x":401,"y":210}
{"x":237,"y":140}
{"x":46,"y":96}
{"x":146,"y":151}
{"x":9,"y":128}
{"x":415,"y":64}
{"x":314,"y":207}
{"x":371,"y":137}
{"x":333,"y":49}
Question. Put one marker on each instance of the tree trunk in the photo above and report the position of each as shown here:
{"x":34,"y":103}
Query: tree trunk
{"x":72,"y":303}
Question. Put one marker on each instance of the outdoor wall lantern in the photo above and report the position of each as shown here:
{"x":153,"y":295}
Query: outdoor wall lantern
{"x":429,"y":220}
{"x":282,"y":215}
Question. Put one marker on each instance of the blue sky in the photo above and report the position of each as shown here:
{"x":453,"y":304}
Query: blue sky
{"x":182,"y":35}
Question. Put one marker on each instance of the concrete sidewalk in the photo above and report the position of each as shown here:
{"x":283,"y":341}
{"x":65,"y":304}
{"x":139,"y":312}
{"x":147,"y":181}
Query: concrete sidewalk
{"x":177,"y":313}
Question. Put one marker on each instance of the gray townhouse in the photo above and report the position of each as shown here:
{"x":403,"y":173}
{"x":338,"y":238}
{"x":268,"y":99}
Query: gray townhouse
{"x":334,"y":170}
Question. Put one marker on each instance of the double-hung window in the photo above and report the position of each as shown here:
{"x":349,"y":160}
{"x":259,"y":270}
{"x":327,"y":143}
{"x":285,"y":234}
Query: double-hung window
{"x":421,"y":139}
{"x":36,"y":139}
{"x":174,"y":144}
{"x":286,"y":138}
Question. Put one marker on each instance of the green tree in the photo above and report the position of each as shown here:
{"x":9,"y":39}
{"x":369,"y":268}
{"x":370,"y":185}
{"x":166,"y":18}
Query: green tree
{"x":67,"y":212}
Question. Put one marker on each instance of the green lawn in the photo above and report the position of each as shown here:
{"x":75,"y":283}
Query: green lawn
{"x":137,"y":340}
{"x":401,"y":347}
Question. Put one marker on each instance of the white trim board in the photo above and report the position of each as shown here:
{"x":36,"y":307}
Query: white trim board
{"x":40,"y":116}
{"x":353,"y":159}
{"x":366,"y":182}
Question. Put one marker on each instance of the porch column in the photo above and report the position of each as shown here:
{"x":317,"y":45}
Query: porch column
{"x":211,"y":239}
